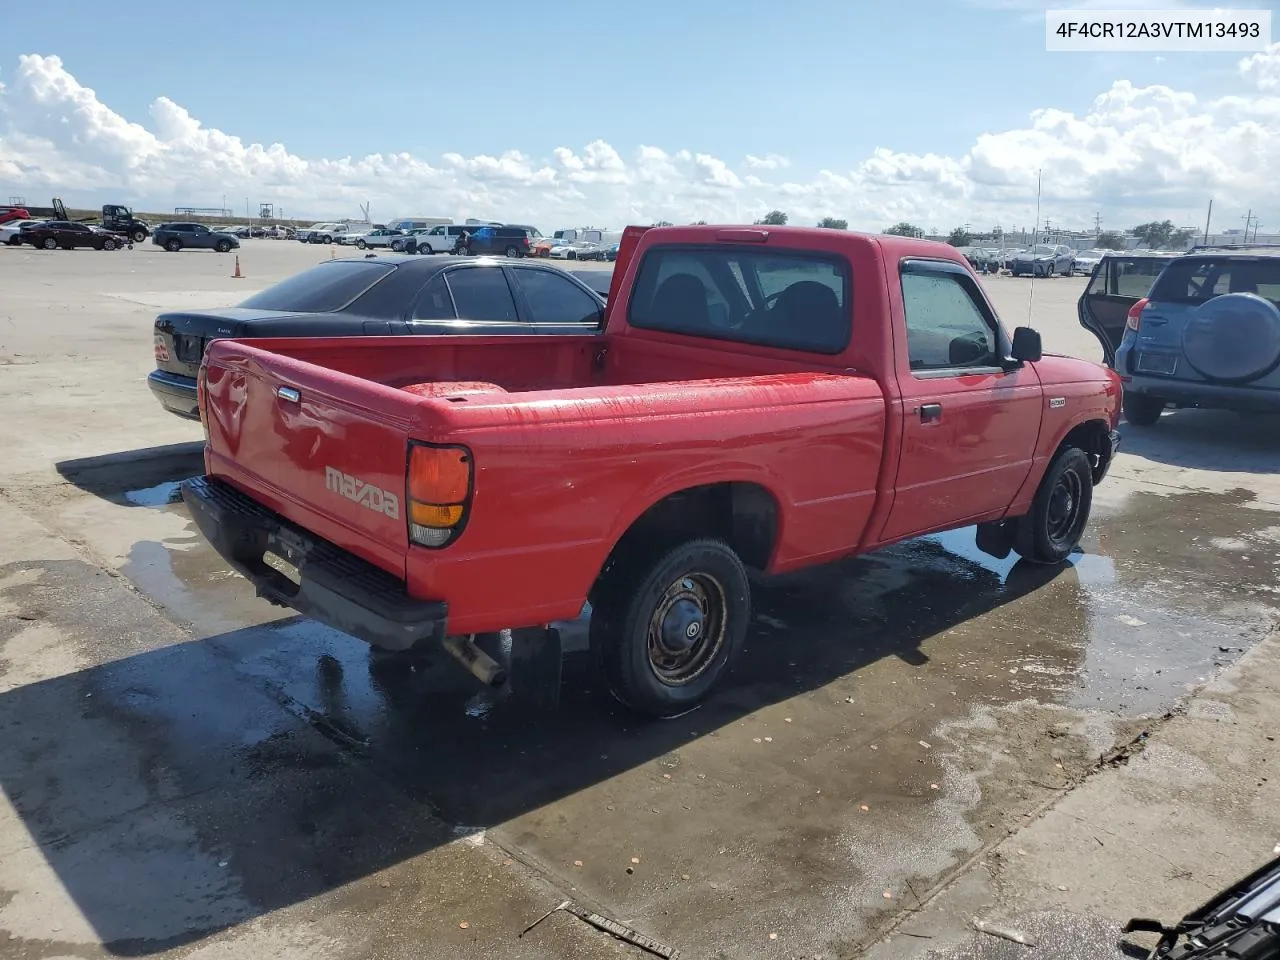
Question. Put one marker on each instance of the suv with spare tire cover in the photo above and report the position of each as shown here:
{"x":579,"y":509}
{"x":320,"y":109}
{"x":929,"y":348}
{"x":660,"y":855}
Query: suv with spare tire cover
{"x":1207,"y":335}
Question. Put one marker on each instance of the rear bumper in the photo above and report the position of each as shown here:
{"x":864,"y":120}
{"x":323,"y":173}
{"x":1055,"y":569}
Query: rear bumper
{"x":177,"y":394}
{"x":1210,"y":396}
{"x":334,"y":586}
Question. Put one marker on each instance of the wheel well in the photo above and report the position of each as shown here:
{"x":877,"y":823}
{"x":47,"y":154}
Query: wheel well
{"x":744,"y":515}
{"x":1091,"y":437}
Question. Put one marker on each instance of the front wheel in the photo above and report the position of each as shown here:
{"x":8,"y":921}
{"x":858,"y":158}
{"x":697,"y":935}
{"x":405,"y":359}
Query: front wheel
{"x":360,"y":245}
{"x":139,"y":236}
{"x":1060,"y":510}
{"x":50,"y":243}
{"x":666,"y":626}
{"x":328,"y":239}
{"x":108,"y":244}
{"x":1142,"y":410}
{"x":512,"y":252}
{"x":222,"y":246}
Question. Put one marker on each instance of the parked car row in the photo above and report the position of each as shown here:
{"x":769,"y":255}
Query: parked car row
{"x":61,"y":235}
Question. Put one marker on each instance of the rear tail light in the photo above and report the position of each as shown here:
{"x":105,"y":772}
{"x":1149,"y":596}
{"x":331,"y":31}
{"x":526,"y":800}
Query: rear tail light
{"x":438,"y":490}
{"x":1133,"y":319}
{"x":162,"y":349}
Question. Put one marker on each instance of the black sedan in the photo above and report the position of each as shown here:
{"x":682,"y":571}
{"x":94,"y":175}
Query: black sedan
{"x":378,"y":296}
{"x":67,"y":235}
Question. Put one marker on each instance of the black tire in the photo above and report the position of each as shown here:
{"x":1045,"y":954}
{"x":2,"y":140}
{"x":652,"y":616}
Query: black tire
{"x":512,"y":252}
{"x":1060,"y":510}
{"x":173,"y":245}
{"x":222,"y":246}
{"x":328,"y":239}
{"x":139,"y":235}
{"x":360,"y":245}
{"x":108,"y":244}
{"x":704,"y":589}
{"x":572,"y":255}
{"x":1142,"y":410}
{"x":49,"y":243}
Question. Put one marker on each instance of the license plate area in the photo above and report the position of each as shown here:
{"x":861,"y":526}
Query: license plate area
{"x":1162,"y":363}
{"x":286,"y":554}
{"x":188,"y":349}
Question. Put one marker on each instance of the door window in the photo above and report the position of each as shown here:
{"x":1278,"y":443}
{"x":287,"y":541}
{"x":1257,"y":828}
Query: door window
{"x":482,"y":294}
{"x":434,"y":302}
{"x":554,"y":298}
{"x":946,"y":329}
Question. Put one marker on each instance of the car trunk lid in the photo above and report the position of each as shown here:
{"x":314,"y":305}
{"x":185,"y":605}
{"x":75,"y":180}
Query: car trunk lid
{"x":181,"y":337}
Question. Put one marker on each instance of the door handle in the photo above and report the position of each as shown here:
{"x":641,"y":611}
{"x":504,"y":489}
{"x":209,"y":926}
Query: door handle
{"x":930,"y":412}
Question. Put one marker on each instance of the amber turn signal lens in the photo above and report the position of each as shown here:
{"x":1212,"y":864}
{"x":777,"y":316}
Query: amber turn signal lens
{"x":434,"y":515}
{"x":439,"y":474}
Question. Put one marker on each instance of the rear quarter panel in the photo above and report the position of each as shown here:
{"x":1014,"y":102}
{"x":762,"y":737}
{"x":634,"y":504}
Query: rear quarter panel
{"x":560,"y":478}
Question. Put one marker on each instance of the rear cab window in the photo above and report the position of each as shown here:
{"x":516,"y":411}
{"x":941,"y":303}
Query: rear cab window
{"x":792,"y":299}
{"x":324,"y":288}
{"x":1196,"y":280}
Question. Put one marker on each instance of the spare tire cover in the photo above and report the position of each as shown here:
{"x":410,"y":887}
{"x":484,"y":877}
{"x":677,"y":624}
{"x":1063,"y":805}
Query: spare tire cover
{"x":1233,"y":338}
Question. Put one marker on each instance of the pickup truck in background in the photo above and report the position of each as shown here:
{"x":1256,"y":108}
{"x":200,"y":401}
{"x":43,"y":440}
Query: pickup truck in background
{"x":761,"y":398}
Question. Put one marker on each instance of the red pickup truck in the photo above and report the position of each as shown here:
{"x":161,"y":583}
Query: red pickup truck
{"x":762,"y":398}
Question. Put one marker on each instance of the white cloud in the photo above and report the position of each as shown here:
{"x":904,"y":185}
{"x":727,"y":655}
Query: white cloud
{"x":770,"y":161}
{"x":1135,"y":153}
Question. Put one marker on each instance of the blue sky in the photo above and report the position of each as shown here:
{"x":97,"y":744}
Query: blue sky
{"x":821,"y":82}
{"x":827,"y":79}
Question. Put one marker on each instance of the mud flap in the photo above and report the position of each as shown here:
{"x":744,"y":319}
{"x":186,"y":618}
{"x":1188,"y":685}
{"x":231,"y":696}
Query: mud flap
{"x":537,"y":666}
{"x":996,"y":539}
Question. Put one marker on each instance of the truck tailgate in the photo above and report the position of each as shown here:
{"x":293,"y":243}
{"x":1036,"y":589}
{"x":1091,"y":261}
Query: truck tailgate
{"x":323,"y":449}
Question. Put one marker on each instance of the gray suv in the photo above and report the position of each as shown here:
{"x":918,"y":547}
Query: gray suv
{"x":1207,"y":335}
{"x":175,"y":236}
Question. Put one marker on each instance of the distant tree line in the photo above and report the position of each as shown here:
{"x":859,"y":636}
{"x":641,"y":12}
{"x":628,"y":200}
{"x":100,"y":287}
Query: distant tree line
{"x":1158,"y":234}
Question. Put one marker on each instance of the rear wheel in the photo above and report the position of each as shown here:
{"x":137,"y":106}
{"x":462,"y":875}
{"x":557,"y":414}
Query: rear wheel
{"x":139,"y":235}
{"x":328,"y":239}
{"x":1142,"y":410}
{"x":173,"y":245}
{"x":512,"y":251}
{"x":665,"y":625}
{"x":1060,"y":510}
{"x":50,"y":243}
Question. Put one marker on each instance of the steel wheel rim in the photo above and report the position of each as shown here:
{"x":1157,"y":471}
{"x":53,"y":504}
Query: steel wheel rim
{"x":687,"y":629}
{"x":1064,"y":506}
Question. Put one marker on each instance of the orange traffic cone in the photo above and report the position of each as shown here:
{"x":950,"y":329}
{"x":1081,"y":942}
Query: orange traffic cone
{"x":237,"y":275}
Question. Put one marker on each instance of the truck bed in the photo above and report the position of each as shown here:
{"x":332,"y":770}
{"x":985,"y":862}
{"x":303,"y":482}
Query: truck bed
{"x":607,"y":418}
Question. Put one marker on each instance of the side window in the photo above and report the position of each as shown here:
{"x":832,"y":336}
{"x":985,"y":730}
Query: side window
{"x":945,"y":327}
{"x":434,"y":302}
{"x":554,"y":298}
{"x":481,"y":293}
{"x":436,"y":232}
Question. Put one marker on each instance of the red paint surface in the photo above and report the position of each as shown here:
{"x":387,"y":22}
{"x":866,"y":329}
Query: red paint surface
{"x":575,"y":437}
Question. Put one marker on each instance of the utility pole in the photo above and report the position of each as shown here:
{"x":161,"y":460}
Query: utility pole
{"x":1097,"y":225}
{"x":1208,"y":216}
{"x":1248,"y":222}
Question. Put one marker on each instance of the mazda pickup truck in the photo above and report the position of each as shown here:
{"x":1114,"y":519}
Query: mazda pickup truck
{"x":761,"y":399}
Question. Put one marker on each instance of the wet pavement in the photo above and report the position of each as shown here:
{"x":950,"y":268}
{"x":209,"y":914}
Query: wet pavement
{"x":891,"y":716}
{"x":189,"y":770}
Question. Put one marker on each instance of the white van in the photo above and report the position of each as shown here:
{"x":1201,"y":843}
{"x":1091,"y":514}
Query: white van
{"x":590,"y":234}
{"x":410,"y":224}
{"x":443,"y":237}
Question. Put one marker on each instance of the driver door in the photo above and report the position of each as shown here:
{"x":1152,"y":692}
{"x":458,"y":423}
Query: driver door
{"x":969,"y":420}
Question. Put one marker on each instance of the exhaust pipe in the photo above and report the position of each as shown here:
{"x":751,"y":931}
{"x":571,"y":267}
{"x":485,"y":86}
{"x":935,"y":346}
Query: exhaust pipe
{"x":478,"y":663}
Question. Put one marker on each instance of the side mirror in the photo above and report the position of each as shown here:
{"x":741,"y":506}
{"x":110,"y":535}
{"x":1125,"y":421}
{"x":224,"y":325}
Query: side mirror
{"x":1026,"y":345}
